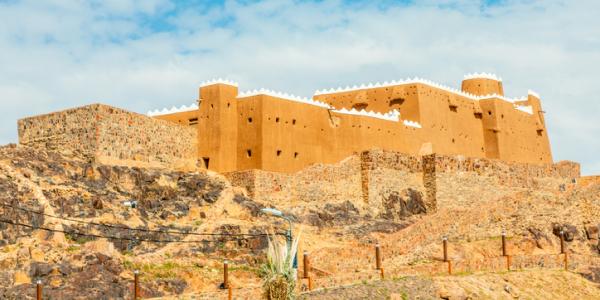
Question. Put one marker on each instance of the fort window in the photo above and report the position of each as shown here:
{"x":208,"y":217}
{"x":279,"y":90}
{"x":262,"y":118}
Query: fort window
{"x":278,"y":152}
{"x":277,"y":120}
{"x":206,"y":161}
{"x":295,"y":154}
{"x":540,"y":132}
{"x":453,"y":108}
{"x":212,"y":106}
{"x":293,"y":121}
{"x":249,"y":120}
{"x":228,"y":104}
{"x":360,"y":106}
{"x":478,"y":115}
{"x":249,"y":153}
{"x":397,"y":101}
{"x":193,"y":121}
{"x":489,"y":112}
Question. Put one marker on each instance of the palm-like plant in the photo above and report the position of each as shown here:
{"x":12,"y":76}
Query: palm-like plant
{"x":279,"y":280}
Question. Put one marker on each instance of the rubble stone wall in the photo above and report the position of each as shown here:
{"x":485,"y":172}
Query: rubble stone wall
{"x":371,"y":177}
{"x":112,"y":136}
{"x":70,"y":131}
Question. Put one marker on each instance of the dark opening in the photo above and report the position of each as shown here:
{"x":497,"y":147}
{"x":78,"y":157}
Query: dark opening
{"x":293,"y":121}
{"x":277,"y":120}
{"x":278,"y":152}
{"x":489,"y":112}
{"x":540,"y":132}
{"x":453,"y":141}
{"x":453,"y":108}
{"x":295,"y":154}
{"x":478,"y":115}
{"x":228,"y":104}
{"x":193,"y":121}
{"x":212,"y":106}
{"x":360,"y":106}
{"x":206,"y":161}
{"x":249,"y":153}
{"x":249,"y":120}
{"x":397,"y":101}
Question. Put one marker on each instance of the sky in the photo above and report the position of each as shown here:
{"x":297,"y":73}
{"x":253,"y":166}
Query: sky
{"x":143,"y":55}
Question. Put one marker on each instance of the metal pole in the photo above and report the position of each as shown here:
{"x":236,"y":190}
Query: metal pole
{"x":39,"y":290}
{"x":503,"y":243}
{"x":225,"y":274}
{"x":562,"y":242}
{"x":136,"y":284}
{"x":445,"y":242}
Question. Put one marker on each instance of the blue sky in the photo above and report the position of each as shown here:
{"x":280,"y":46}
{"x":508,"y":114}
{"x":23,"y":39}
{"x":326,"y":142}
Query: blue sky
{"x":142,"y":55}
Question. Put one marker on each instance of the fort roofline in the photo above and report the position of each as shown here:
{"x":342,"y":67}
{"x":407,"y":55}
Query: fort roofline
{"x":388,"y":116}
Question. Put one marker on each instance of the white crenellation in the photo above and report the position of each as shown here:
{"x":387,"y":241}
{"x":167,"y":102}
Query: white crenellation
{"x":173,"y":110}
{"x":483,"y":76}
{"x":525,"y":108}
{"x":533,"y":93}
{"x":219,"y":80}
{"x":393,"y":115}
{"x":428,"y":83}
{"x":285,"y":96}
{"x":410,"y":123}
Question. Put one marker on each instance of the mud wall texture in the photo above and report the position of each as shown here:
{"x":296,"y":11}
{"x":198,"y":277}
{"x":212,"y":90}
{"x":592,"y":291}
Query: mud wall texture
{"x":370,"y":179}
{"x":112,"y":136}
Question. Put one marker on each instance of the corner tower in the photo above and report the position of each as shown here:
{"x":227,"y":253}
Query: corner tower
{"x":482,"y":84}
{"x":217,"y":125}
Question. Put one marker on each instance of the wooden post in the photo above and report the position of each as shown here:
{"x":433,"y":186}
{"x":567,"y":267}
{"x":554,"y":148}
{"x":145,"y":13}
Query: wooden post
{"x":445,"y":243}
{"x":378,"y":257}
{"x":38,"y":288}
{"x":136,"y":284}
{"x":504,"y":243}
{"x":225,"y":274}
{"x":449,"y":267}
{"x":562,"y":242}
{"x":306,"y":264}
{"x":508,"y":262}
{"x":566,"y":262}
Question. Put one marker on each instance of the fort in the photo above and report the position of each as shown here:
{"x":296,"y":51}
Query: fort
{"x":364,"y":142}
{"x":271,"y":131}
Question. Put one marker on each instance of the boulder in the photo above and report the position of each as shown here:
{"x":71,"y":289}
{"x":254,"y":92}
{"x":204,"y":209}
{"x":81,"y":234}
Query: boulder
{"x":592,"y":231}
{"x":569,"y":231}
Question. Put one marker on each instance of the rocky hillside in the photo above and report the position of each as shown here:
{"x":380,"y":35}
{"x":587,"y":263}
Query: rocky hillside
{"x":64,"y":221}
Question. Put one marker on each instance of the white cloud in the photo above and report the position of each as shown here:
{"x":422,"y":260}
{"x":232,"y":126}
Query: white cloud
{"x":57,"y":54}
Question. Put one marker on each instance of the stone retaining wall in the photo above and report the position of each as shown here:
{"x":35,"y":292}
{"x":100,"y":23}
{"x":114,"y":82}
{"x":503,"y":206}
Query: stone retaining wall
{"x":112,"y":136}
{"x":370,"y":178}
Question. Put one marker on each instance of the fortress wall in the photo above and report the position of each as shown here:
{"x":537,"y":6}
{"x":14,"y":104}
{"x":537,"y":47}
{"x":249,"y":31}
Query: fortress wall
{"x":112,"y":136}
{"x":186,"y":118}
{"x":71,"y":131}
{"x":369,"y":179}
{"x":460,"y":180}
{"x":131,"y":139}
{"x":317,"y":183}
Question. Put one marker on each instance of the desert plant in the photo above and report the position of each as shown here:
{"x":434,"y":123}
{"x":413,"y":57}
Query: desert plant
{"x":279,"y":278}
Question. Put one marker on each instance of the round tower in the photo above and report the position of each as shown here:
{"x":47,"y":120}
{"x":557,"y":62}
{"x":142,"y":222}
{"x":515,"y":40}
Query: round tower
{"x":482,"y":84}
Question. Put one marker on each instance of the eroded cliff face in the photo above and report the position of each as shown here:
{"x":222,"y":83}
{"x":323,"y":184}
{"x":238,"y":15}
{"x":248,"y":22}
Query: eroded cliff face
{"x":64,"y":222}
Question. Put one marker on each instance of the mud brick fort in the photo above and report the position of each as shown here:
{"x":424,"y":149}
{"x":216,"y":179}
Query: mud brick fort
{"x":413,"y":128}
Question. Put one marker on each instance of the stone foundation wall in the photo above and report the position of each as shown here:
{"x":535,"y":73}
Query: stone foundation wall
{"x":112,"y":136}
{"x":372,"y":178}
{"x":70,"y":131}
